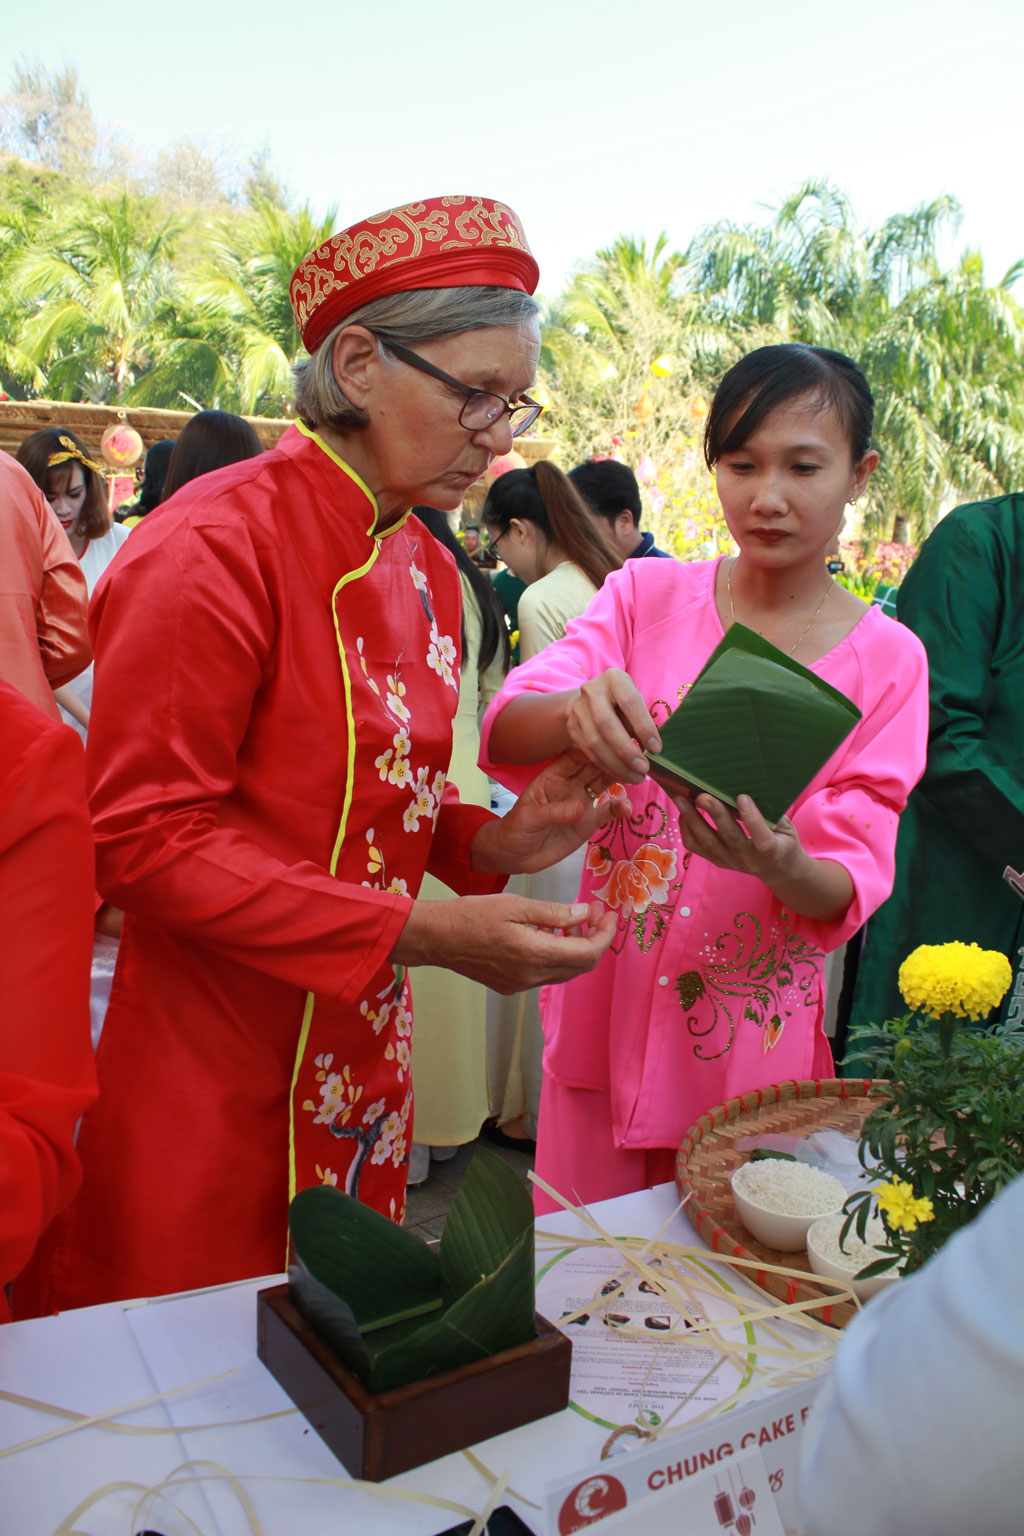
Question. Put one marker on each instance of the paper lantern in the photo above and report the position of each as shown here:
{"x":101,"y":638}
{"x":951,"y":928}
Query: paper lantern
{"x":663,"y":366}
{"x":121,"y":446}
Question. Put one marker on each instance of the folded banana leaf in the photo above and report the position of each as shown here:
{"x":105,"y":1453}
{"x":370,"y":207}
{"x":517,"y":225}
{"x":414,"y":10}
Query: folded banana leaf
{"x":397,"y":1311}
{"x":754,"y":723}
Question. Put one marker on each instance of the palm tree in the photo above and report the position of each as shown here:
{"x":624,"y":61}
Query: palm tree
{"x":240,"y":297}
{"x":24,"y":208}
{"x":625,"y":350}
{"x":941,"y":350}
{"x":622,"y":348}
{"x":97,"y":288}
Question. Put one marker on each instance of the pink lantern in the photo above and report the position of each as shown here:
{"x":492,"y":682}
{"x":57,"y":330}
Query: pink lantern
{"x":121,"y":446}
{"x":507,"y":461}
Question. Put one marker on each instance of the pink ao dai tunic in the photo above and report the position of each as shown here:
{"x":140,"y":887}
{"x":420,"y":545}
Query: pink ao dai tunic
{"x":712,"y":987}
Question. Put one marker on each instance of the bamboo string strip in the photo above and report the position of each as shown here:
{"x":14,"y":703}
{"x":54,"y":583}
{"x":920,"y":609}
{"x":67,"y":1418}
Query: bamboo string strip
{"x":486,"y":1472}
{"x":182,"y":1478}
{"x":682,"y":1278}
{"x":480,"y":1524}
{"x":83,"y":1420}
{"x":105,"y":1421}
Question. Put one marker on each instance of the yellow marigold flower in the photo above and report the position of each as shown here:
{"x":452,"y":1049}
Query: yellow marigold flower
{"x":956,"y":978}
{"x":900,"y":1206}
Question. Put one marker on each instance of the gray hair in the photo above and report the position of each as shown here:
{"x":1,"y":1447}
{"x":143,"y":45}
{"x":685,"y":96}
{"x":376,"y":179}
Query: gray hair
{"x":408,"y":318}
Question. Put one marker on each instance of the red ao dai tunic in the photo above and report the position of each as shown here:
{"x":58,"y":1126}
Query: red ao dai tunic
{"x":275,"y":689}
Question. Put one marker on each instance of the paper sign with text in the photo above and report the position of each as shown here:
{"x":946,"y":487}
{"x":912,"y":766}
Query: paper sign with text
{"x":772,"y":1426}
{"x":735,"y":1496}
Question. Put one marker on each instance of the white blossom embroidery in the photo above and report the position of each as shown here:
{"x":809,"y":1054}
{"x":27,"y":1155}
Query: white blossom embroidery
{"x":391,"y":1142}
{"x":441,"y":655}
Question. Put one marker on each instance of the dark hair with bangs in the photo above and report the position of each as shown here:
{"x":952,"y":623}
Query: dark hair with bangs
{"x":772,"y":376}
{"x":33,"y":452}
{"x":543,"y":495}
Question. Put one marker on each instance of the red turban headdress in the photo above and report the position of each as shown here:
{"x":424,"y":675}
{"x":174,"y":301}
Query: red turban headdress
{"x":443,"y":242}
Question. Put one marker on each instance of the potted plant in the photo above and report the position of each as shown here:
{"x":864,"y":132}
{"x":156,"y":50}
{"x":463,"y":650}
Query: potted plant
{"x":948,"y":1132}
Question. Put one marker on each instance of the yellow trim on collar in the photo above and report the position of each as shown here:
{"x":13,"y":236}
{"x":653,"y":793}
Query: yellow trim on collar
{"x":358,"y":480}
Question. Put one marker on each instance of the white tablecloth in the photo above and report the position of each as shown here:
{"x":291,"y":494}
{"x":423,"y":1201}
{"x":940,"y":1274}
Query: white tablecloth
{"x":100,"y":1358}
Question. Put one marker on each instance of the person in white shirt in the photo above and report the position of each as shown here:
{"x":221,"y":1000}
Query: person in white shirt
{"x":918,"y":1428}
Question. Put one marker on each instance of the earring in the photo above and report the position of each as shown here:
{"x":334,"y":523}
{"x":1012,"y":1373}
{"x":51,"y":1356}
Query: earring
{"x":852,"y":501}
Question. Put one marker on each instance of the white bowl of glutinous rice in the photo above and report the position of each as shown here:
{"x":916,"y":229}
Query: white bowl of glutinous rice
{"x":778,"y":1200}
{"x":828,"y":1259}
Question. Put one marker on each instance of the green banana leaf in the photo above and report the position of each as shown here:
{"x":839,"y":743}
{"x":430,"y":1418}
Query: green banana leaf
{"x":337,"y":1240}
{"x":397,"y":1311}
{"x":488,"y":1217}
{"x":489,"y":1318}
{"x":754,"y":723}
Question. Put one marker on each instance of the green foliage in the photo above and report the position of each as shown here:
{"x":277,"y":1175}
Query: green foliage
{"x":239,"y":294}
{"x":165,"y":284}
{"x":98,"y":291}
{"x":862,"y":586}
{"x":950,"y":1121}
{"x":942,"y":349}
{"x":622,"y":359}
{"x":397,"y":1311}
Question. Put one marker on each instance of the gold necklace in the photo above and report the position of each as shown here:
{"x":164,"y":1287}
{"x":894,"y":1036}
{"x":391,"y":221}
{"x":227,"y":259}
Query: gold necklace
{"x":810,"y":621}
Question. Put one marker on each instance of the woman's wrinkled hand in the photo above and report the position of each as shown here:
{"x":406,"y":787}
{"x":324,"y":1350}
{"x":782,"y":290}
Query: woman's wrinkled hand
{"x":609,"y":723}
{"x":554,"y":815}
{"x":509,"y":943}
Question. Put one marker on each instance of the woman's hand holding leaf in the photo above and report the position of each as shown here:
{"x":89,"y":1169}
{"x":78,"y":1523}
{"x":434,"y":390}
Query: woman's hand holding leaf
{"x":818,"y":888}
{"x":606,"y":721}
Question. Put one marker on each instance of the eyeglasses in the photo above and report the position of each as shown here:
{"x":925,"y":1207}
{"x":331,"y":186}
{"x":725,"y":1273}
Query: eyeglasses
{"x":482,"y":409}
{"x":495,"y":539}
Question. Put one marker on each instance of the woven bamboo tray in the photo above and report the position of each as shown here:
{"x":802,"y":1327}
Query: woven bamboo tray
{"x":708,"y":1155}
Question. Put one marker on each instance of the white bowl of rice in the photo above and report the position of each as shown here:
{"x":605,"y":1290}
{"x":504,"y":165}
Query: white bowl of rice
{"x":832,"y":1262}
{"x":777,"y":1200}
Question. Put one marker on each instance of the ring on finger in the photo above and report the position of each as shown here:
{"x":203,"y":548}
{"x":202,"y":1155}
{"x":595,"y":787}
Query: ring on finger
{"x":593,"y":793}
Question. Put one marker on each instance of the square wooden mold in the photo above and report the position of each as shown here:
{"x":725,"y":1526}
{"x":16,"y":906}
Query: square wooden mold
{"x":376,"y":1436}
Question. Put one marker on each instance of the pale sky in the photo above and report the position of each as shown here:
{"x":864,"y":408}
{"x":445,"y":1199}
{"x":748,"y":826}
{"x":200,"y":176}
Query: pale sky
{"x":592,"y":118}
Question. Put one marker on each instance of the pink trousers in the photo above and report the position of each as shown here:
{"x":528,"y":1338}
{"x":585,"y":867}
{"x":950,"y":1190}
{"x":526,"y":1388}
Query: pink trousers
{"x":577,"y":1155}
